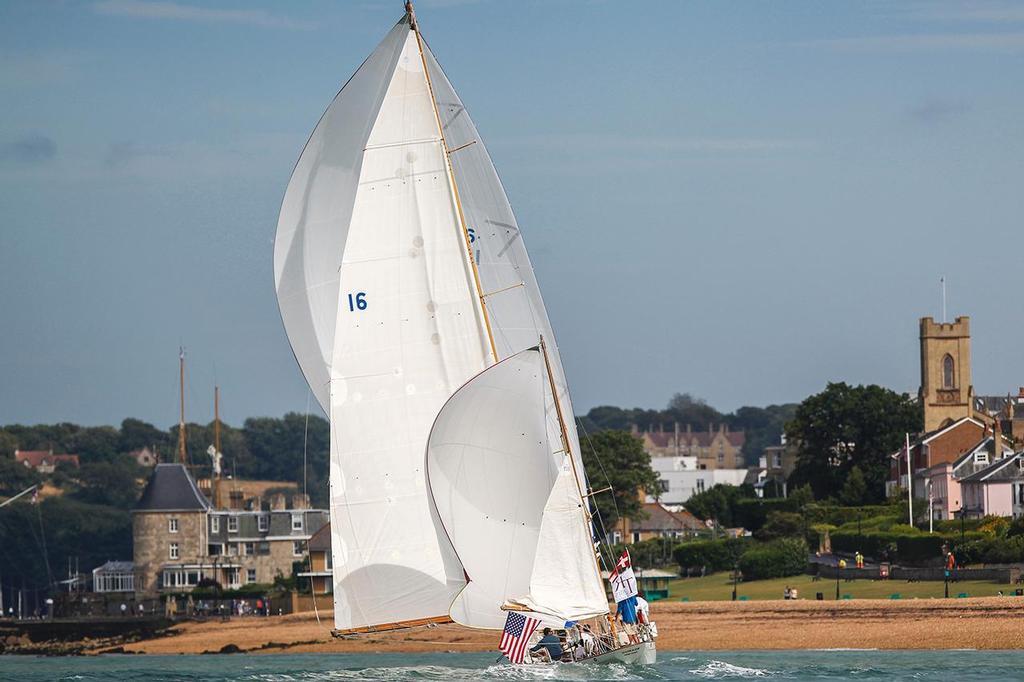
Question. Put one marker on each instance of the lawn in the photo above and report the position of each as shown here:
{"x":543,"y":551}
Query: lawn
{"x":718,"y":586}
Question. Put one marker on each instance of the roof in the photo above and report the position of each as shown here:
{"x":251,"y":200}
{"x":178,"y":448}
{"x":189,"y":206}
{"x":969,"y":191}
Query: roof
{"x":929,"y":436}
{"x":321,"y":540}
{"x":34,"y":458}
{"x":115,"y":567}
{"x":664,"y":439}
{"x":1006,"y":469}
{"x":170,"y":488}
{"x":659,"y":518}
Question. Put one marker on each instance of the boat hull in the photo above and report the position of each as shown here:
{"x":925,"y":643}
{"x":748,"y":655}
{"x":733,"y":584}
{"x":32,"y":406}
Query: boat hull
{"x":644,"y":653}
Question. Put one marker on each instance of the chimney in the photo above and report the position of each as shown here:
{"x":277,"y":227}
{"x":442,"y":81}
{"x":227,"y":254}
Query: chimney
{"x":689,"y":428}
{"x":711,"y":428}
{"x":997,"y":439}
{"x":278,"y":502}
{"x":300,"y":501}
{"x":676,"y":424}
{"x":634,"y":429}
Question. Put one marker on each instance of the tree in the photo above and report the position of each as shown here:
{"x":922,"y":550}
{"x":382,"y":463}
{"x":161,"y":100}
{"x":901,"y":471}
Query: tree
{"x":850,"y":426}
{"x":854,"y":489}
{"x":718,"y":502}
{"x":617,"y":458}
{"x":114,"y":483}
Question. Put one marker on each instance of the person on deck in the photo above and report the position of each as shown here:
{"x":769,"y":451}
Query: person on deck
{"x":549,"y":647}
{"x":643,"y":609}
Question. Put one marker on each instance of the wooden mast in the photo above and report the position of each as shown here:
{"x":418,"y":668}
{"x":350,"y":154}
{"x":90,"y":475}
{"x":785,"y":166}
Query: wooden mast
{"x":182,"y":457}
{"x":216,"y":445}
{"x":481,"y":296}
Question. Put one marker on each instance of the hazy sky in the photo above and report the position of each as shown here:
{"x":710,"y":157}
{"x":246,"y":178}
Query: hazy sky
{"x":741,"y":200}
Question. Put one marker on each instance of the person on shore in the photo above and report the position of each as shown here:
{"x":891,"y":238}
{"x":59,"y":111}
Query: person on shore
{"x":786,"y":593}
{"x":859,"y":558}
{"x":549,"y":647}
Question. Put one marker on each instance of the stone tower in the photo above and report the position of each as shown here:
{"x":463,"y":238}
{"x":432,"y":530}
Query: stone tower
{"x":946,"y":389}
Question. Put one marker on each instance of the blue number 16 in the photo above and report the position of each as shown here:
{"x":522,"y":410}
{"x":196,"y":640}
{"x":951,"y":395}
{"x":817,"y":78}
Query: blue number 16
{"x":358,"y":302}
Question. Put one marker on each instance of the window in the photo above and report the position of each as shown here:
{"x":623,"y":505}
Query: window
{"x":214,"y":524}
{"x":721,"y":457}
{"x":215,"y":549}
{"x":232,"y":524}
{"x":297,"y":548}
{"x":173,"y":550}
{"x":232,"y":549}
{"x":250,"y":548}
{"x":636,"y":537}
{"x":777,"y":461}
{"x":297,"y":522}
{"x":250,"y":575}
{"x":330,"y":561}
{"x":264,"y":523}
{"x":947,"y":372}
{"x":172,"y":525}
{"x":700,"y":485}
{"x":662,"y":485}
{"x":981,"y":457}
{"x":235,"y":577}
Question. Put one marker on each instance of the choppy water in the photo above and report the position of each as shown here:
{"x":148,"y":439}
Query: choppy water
{"x":863,"y":666}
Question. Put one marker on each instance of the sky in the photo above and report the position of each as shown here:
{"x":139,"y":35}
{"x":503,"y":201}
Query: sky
{"x":742,"y":200}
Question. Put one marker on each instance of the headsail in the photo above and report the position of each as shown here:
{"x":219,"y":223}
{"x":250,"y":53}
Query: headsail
{"x":506,"y":498}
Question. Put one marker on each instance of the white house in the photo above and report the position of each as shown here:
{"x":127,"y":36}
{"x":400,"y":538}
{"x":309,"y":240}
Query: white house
{"x":680,"y":478}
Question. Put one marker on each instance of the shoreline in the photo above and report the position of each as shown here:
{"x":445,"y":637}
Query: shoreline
{"x":991,"y":623}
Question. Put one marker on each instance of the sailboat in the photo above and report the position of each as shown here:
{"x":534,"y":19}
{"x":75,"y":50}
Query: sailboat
{"x":403,"y":282}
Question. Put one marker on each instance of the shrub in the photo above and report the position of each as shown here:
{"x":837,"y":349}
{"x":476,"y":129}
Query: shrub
{"x":653,"y":553}
{"x":752,"y":514}
{"x":917,"y":549}
{"x":781,"y":524}
{"x":777,"y":559}
{"x":714,"y":555}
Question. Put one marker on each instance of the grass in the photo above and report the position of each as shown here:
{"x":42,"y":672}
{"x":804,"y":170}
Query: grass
{"x":718,"y":587}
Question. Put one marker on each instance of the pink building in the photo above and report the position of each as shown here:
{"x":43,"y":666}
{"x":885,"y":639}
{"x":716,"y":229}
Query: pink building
{"x":996,"y":490}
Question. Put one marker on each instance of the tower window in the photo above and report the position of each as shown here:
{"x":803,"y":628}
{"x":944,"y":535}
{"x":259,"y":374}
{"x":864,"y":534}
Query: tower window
{"x":947,"y":372}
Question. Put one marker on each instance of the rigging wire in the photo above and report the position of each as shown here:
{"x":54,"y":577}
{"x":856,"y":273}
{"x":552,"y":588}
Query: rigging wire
{"x":602,"y":542}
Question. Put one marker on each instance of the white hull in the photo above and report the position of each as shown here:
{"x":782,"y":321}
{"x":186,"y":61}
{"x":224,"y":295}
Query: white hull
{"x":644,"y":653}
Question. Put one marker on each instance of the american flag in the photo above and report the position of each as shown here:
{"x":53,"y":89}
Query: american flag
{"x":518,"y":629}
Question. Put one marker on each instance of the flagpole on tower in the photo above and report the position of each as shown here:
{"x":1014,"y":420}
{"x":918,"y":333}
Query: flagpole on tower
{"x":942,"y":280}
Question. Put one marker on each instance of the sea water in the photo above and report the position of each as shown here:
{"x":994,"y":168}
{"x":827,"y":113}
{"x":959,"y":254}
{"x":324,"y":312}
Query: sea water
{"x":863,"y":666}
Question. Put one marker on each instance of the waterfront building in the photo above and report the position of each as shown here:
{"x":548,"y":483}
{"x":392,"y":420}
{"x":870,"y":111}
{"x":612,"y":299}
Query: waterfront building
{"x":660,"y":521}
{"x":996,"y":490}
{"x":180,"y":539}
{"x":320,"y":574}
{"x":114,"y":576}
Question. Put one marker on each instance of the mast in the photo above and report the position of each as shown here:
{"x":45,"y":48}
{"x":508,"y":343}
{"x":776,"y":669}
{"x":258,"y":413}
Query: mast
{"x":216,"y":444}
{"x":481,"y":297}
{"x":181,"y":419}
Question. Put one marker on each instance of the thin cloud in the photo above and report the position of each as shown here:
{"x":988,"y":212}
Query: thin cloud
{"x":918,"y":42}
{"x":174,"y":11}
{"x":29,"y":150}
{"x":937,"y":110}
{"x":989,"y":13}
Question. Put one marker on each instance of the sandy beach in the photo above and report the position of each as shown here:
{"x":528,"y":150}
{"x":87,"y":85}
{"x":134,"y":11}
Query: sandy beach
{"x":982,"y":623}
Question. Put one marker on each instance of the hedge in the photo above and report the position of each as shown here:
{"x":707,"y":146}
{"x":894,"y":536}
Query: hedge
{"x":713,"y":555}
{"x":752,"y":513}
{"x":776,"y":559}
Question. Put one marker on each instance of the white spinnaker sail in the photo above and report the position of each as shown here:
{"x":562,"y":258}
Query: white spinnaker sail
{"x":490,"y":471}
{"x":514,"y":304}
{"x":508,"y":502}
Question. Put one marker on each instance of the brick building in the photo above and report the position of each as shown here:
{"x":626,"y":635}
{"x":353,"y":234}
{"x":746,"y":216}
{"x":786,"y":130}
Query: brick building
{"x":43,"y":461}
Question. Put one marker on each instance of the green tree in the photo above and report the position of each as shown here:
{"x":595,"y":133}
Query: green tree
{"x":718,"y":503}
{"x":781,"y":524}
{"x":850,"y":426}
{"x":854,"y":488}
{"x":15,"y":477}
{"x":113,"y":483}
{"x":618,"y":459}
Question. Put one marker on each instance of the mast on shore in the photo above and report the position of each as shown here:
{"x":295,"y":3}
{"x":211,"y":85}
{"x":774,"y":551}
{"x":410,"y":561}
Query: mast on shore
{"x":182,"y":457}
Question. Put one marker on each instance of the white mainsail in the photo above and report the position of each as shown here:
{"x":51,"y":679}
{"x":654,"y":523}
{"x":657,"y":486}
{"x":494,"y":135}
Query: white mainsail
{"x":378,"y":291}
{"x":508,"y":501}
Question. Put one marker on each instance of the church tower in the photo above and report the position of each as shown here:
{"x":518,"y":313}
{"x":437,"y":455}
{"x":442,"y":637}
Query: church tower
{"x":946,"y":389}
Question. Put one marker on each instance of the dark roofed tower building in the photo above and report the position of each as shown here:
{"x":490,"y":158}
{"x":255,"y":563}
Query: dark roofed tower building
{"x":180,"y":538}
{"x":169,"y":529}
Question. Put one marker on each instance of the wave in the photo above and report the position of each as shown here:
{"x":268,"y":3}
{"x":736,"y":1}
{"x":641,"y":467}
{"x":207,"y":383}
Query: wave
{"x":717,"y":670}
